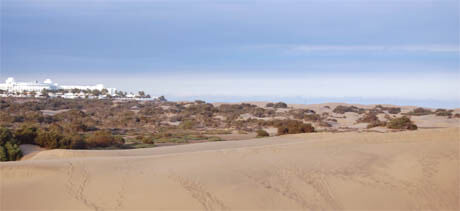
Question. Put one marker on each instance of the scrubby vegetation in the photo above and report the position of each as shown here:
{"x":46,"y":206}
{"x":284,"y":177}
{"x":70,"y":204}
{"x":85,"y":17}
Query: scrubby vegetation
{"x":403,"y":123}
{"x":276,"y":105}
{"x":444,"y":112}
{"x":9,"y":146}
{"x":262,"y":133}
{"x":343,"y":109}
{"x":372,"y":120}
{"x":107,"y":123}
{"x":420,"y":112}
{"x":291,"y":127}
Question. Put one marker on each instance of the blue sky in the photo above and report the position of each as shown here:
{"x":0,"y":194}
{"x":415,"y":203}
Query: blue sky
{"x":400,"y":52}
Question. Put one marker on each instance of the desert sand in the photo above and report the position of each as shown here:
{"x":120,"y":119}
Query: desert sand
{"x":412,"y":170}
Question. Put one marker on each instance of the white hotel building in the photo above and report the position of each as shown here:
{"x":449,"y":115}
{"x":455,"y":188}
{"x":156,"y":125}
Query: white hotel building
{"x":12,"y":86}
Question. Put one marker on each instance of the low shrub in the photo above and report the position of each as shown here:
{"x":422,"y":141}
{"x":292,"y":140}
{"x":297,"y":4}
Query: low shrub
{"x":49,"y":139}
{"x":215,"y":138}
{"x":270,"y":105}
{"x":376,"y":124}
{"x":148,"y":140}
{"x":187,"y":124}
{"x":368,"y":118}
{"x":280,"y":105}
{"x":104,"y":138}
{"x":77,"y":141}
{"x":343,"y":109}
{"x":403,"y":123}
{"x":293,"y":127}
{"x":394,"y":110}
{"x":26,"y":134}
{"x":312,"y":117}
{"x":262,"y":133}
{"x":420,"y":112}
{"x":443,"y":112}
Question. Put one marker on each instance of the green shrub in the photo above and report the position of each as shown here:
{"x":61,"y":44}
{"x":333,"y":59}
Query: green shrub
{"x":262,"y":133}
{"x":5,"y":136}
{"x":13,"y":151}
{"x":26,"y":134}
{"x":9,"y":148}
{"x":49,"y":139}
{"x":401,"y":123}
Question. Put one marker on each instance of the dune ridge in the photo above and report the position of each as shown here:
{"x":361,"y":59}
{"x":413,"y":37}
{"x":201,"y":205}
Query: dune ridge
{"x":323,"y":171}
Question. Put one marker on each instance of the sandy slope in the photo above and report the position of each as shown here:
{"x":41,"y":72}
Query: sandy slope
{"x":391,"y":171}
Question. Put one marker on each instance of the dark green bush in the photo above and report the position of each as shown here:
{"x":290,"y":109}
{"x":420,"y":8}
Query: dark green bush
{"x":26,"y":134}
{"x":9,"y":147}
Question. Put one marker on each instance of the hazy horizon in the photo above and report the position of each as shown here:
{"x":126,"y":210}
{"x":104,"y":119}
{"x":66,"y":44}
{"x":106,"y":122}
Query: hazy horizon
{"x":380,"y":52}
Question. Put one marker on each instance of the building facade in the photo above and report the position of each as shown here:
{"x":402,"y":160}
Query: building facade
{"x":12,"y":86}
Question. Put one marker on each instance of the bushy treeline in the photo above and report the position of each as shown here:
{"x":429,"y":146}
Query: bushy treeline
{"x":52,"y":137}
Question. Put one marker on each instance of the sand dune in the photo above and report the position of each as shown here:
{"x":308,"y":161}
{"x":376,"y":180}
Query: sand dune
{"x":417,"y":170}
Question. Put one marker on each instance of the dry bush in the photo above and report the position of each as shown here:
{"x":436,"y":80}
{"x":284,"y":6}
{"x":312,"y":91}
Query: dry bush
{"x":343,"y":109}
{"x":280,"y":105}
{"x":292,"y":127}
{"x":403,"y":123}
{"x":104,"y":138}
{"x":444,"y":112}
{"x":262,"y":133}
{"x":368,"y":118}
{"x":420,"y":112}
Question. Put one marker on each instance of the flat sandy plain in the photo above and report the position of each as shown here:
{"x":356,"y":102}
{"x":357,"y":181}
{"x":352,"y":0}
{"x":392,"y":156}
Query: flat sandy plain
{"x":411,"y":170}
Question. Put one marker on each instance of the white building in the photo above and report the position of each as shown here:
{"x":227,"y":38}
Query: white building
{"x":11,"y":85}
